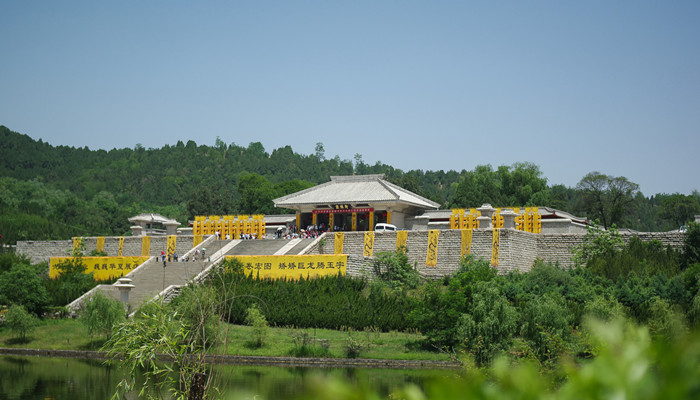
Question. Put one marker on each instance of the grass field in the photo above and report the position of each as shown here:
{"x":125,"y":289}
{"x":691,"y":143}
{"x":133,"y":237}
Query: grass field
{"x":68,"y":334}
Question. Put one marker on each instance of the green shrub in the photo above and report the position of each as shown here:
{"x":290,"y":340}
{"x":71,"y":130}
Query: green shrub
{"x":395,"y":269}
{"x":22,"y":285}
{"x":304,"y":346}
{"x":665,"y":322}
{"x":546,"y":326}
{"x":20,"y":321}
{"x":352,"y":348}
{"x":439,"y":307}
{"x":100,"y":314}
{"x":257,"y":320}
{"x":198,"y":307}
{"x":327,"y":302}
{"x":488,"y":326}
{"x":605,"y":308}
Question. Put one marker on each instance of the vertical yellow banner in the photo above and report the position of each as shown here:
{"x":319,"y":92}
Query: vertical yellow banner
{"x":401,"y":239}
{"x":146,"y":246}
{"x":172,"y":239}
{"x":388,"y":217}
{"x":354,"y":222}
{"x":368,"y":248}
{"x":77,"y":243}
{"x":313,"y":219}
{"x":370,"y":227}
{"x":298,"y":221}
{"x":120,"y":252}
{"x":431,"y":256}
{"x":495,"y":246}
{"x":196,"y":240}
{"x":100,"y":244}
{"x":338,"y":242}
{"x":466,"y":242}
{"x":331,"y":222}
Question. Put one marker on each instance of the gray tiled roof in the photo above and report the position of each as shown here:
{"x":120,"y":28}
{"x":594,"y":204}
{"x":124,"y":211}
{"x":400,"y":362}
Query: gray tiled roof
{"x":355,"y":189}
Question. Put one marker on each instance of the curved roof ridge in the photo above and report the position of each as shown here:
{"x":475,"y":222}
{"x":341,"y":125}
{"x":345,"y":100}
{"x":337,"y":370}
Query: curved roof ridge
{"x":434,"y":204}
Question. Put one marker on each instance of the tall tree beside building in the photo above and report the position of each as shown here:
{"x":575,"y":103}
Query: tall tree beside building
{"x":606,"y":197}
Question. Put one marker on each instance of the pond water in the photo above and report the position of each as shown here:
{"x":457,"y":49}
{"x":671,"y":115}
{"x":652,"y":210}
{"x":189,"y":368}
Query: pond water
{"x":62,"y":378}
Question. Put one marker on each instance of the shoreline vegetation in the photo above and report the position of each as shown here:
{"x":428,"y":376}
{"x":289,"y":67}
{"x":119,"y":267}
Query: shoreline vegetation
{"x":68,"y":338}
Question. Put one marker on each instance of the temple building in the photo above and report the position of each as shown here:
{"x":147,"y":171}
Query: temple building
{"x":356,"y":203}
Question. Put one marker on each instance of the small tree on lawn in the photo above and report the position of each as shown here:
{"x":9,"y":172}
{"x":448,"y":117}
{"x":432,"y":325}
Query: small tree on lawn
{"x":20,"y":321}
{"x":257,"y":320}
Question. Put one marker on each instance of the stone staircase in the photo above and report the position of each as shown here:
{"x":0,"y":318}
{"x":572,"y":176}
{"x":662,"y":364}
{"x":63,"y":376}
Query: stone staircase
{"x":269,"y":247}
{"x":152,"y":280}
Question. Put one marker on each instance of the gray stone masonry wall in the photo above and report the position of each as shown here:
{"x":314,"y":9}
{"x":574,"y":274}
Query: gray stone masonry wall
{"x":41,"y":251}
{"x":518,"y":249}
{"x":557,"y":248}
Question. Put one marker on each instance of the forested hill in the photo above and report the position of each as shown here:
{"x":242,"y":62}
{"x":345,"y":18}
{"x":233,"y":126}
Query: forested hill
{"x":51,"y":192}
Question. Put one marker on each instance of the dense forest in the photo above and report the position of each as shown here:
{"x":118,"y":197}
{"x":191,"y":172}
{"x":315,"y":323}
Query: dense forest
{"x":56,"y":192}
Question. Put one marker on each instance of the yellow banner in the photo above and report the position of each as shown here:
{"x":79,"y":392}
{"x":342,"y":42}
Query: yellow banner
{"x":466,"y":242}
{"x":172,"y":240}
{"x":369,"y":244}
{"x":388,"y":217}
{"x":331,"y":222}
{"x":431,"y":256}
{"x":354,"y":222}
{"x":100,"y":244}
{"x":77,"y":243}
{"x":338,"y":242}
{"x":293,"y":267}
{"x":495,"y":246}
{"x":401,"y":239}
{"x":103,"y":267}
{"x":120,"y":252}
{"x":196,"y":240}
{"x":146,"y":246}
{"x":371,"y":221}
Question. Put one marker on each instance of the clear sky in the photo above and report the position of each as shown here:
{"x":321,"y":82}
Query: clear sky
{"x":574,"y":87}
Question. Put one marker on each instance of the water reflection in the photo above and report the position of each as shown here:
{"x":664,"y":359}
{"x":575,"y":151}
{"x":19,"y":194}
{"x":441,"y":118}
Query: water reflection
{"x":58,"y":378}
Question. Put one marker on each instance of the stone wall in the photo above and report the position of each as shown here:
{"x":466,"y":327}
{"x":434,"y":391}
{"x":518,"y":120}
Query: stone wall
{"x":556,"y":248}
{"x":41,"y":251}
{"x":518,"y":250}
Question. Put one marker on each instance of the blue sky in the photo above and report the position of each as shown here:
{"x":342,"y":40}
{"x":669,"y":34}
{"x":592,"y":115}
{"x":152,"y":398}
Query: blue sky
{"x":574,"y":87}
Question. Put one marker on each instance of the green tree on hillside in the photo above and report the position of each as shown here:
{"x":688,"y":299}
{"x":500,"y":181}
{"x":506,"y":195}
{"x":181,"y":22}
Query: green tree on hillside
{"x":679,"y":208}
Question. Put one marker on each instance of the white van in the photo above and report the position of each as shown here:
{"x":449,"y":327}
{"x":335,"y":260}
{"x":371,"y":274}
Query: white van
{"x":382,"y":227}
